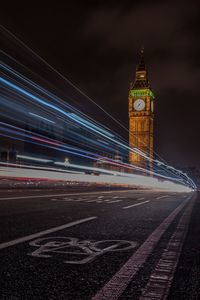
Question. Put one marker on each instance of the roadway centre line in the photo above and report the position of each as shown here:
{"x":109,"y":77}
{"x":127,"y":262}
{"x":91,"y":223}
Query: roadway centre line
{"x":44,"y":232}
{"x":162,"y":197}
{"x":114,"y":288}
{"x":63,"y":195}
{"x":137,"y":204}
{"x":161,"y":278}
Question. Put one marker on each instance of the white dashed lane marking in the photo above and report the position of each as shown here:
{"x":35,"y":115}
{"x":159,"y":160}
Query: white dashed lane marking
{"x":136,"y":204}
{"x":162,"y":197}
{"x":114,"y":201}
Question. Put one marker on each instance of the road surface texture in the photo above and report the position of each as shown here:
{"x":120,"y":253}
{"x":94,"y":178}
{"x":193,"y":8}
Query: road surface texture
{"x":99,"y":245}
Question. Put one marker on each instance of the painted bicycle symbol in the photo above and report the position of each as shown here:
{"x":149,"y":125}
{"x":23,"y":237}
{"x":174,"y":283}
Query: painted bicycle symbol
{"x":77,"y":251}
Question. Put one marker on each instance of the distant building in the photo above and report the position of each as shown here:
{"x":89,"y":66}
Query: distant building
{"x":110,"y":162}
{"x":141,"y":115}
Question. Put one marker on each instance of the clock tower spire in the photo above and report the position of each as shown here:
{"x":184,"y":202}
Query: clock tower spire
{"x":141,"y":115}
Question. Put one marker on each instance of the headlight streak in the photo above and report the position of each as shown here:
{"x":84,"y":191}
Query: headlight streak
{"x":88,"y":124}
{"x":33,"y":172}
{"x":34,"y":158}
{"x":109,"y":137}
{"x":37,"y":168}
{"x":35,"y":55}
{"x":4,"y":81}
{"x":40,"y":117}
{"x":72,"y":133}
{"x":54,"y":98}
{"x":61,"y":76}
{"x":99,"y":169}
{"x":69,"y":115}
{"x":38,"y":137}
{"x":135,"y":150}
{"x":103,"y":170}
{"x":119,"y":143}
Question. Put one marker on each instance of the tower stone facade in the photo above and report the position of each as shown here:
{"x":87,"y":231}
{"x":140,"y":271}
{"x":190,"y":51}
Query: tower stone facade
{"x":141,"y":115}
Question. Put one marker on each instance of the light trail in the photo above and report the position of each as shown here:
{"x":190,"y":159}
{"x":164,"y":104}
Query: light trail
{"x":34,"y":158}
{"x":110,"y":161}
{"x":135,"y":150}
{"x":71,"y":116}
{"x":78,"y":120}
{"x":131,"y":180}
{"x":24,"y":46}
{"x":69,"y":82}
{"x":40,"y":117}
{"x":79,"y":127}
{"x":75,"y":118}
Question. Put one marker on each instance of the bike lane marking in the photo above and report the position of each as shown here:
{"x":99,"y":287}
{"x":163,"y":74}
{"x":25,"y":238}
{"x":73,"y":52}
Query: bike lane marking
{"x":83,"y":251}
{"x":114,"y":288}
{"x":44,"y":232}
{"x":137,"y":204}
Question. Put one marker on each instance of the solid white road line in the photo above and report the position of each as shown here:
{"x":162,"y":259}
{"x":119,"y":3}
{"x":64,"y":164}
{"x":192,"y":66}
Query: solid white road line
{"x":63,"y":195}
{"x":137,"y":204}
{"x":114,"y":288}
{"x":44,"y":232}
{"x":161,"y":278}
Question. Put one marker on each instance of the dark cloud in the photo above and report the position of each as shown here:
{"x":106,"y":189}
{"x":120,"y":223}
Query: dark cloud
{"x":96,"y":45}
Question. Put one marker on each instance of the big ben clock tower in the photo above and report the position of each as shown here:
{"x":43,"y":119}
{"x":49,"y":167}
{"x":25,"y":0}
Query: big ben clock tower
{"x":141,"y":115}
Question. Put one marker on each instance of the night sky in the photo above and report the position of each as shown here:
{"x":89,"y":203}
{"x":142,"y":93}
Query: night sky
{"x":96,"y":45}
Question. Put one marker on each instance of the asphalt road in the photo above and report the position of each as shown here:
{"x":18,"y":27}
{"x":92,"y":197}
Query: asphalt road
{"x":121,"y":244}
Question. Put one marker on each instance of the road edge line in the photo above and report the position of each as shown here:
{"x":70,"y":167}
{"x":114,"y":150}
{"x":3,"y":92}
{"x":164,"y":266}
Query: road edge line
{"x":113,"y":289}
{"x":160,"y":281}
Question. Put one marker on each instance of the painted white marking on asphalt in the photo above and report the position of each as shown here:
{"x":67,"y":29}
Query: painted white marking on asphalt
{"x":84,"y":251}
{"x":114,"y":288}
{"x":63,"y":200}
{"x":162,"y":197}
{"x":140,"y":198}
{"x":62,"y":195}
{"x":114,"y":201}
{"x":162,"y":276}
{"x":94,"y":200}
{"x":41,"y":233}
{"x":137,"y":204}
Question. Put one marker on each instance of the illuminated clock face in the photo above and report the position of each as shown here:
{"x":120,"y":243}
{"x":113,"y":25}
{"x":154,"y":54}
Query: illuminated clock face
{"x":139,"y":104}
